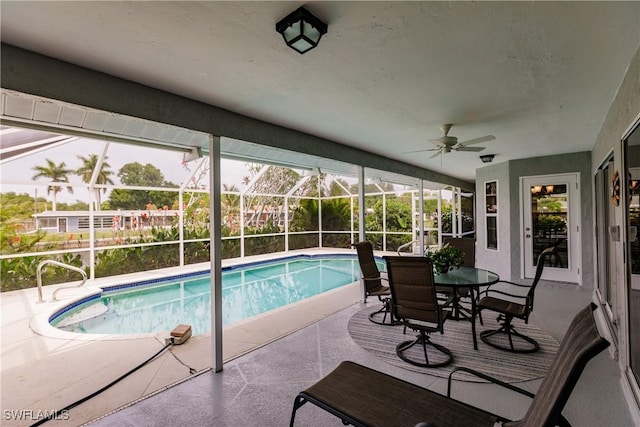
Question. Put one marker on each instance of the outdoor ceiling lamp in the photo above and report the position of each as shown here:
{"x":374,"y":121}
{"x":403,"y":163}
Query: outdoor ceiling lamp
{"x":487,"y":158}
{"x":301,"y":30}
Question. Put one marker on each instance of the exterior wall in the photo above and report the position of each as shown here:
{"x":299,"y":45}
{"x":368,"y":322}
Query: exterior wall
{"x":497,"y":261}
{"x":565,"y":163}
{"x":72,"y":224}
{"x":506,"y":261}
{"x":623,"y":113}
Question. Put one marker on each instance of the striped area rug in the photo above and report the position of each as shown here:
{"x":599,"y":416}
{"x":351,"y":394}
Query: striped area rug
{"x":506,"y":366}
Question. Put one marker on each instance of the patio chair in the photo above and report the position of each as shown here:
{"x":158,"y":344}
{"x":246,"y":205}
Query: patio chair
{"x":468,"y":247}
{"x":363,"y":397}
{"x":510,"y":301}
{"x":415,"y":305}
{"x":372,"y":279}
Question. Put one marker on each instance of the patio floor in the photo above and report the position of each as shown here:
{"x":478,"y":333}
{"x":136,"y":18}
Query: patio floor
{"x":258,"y":389}
{"x":44,"y":373}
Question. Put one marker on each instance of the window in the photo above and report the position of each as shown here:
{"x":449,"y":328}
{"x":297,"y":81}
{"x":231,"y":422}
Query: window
{"x":83,"y":222}
{"x":491,"y":213}
{"x":48,"y":222}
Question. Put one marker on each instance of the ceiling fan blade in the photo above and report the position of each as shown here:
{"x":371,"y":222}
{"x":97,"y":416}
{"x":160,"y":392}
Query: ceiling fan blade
{"x":464,"y":148}
{"x":477,"y":140}
{"x":421,"y":151}
{"x":436,"y":154}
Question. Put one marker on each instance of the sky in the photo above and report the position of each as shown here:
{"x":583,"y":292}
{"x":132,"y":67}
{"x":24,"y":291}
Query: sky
{"x":17,"y":174}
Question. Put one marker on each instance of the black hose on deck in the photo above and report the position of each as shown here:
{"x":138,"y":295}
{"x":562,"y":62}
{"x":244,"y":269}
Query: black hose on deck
{"x":95,"y":393}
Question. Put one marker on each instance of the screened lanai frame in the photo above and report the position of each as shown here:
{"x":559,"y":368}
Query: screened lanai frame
{"x":380,"y":185}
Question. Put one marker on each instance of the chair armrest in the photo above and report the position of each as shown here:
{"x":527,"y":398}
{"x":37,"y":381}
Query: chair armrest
{"x":504,"y":290}
{"x":520,"y":285}
{"x":522,"y":297}
{"x":517,"y":285}
{"x":487,"y":378}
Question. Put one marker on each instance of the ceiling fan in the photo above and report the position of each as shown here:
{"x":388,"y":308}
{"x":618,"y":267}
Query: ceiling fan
{"x":446,"y":143}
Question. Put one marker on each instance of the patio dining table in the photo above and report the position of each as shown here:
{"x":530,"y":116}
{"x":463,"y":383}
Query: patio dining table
{"x":471,"y":278}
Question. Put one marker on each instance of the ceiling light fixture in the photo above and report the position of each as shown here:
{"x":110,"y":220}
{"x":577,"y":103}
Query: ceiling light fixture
{"x":301,"y":30}
{"x":487,"y":158}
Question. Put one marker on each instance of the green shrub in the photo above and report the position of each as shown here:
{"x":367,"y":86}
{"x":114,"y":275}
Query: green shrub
{"x":21,"y":273}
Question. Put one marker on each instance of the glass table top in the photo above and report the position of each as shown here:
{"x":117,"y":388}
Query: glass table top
{"x":466,"y":276}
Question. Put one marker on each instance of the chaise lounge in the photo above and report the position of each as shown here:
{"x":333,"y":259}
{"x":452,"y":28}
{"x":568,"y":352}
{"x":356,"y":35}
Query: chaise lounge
{"x":361,"y":396}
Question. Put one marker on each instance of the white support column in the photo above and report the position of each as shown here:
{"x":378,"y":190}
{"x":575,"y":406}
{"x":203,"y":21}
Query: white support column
{"x":384,"y":220}
{"x":454,"y":222}
{"x":242,"y":220}
{"x":415,"y":224}
{"x":439,"y":217}
{"x":181,"y":225}
{"x":286,"y":223}
{"x":215,"y":219}
{"x":459,"y":203}
{"x":92,"y":243}
{"x":93,"y":202}
{"x":319,"y":190}
{"x":361,"y":211}
{"x":353,"y":221}
{"x":421,"y":220}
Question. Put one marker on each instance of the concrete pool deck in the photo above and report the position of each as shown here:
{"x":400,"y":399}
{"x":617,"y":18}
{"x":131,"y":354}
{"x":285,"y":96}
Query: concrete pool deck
{"x":44,"y":369}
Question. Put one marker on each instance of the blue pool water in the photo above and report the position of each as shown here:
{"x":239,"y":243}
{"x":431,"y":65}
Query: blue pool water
{"x":246,"y":292}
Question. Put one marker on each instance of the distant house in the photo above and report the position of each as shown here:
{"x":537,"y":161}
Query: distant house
{"x":115,"y":220}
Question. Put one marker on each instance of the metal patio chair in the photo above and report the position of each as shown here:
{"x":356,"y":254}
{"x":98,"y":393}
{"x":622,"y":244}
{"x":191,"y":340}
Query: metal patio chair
{"x":372,"y":279}
{"x":503,"y":297}
{"x":415,"y":305}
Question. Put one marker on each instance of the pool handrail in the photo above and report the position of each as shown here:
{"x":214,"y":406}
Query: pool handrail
{"x":405,"y":245}
{"x":59,"y":264}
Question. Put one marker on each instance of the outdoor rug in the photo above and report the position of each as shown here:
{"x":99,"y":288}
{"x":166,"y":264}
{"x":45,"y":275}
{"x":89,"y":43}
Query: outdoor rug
{"x":381,"y":341}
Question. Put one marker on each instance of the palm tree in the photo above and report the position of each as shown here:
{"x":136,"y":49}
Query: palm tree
{"x":230,"y":204}
{"x":86,"y":172}
{"x":57,"y":173}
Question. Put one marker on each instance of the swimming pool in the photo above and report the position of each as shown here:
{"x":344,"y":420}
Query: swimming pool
{"x":247,"y":290}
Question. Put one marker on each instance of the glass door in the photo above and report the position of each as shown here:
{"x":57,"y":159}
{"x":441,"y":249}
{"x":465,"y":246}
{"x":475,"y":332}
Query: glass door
{"x":630,"y":200}
{"x":606,"y":251}
{"x":551,"y":219}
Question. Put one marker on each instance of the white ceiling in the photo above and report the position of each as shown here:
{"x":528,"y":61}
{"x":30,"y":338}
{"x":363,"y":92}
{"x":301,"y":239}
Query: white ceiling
{"x":540,"y":76}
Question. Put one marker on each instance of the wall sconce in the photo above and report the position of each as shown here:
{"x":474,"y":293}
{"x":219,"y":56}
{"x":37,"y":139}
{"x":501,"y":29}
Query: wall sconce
{"x":301,"y":30}
{"x":487,"y":158}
